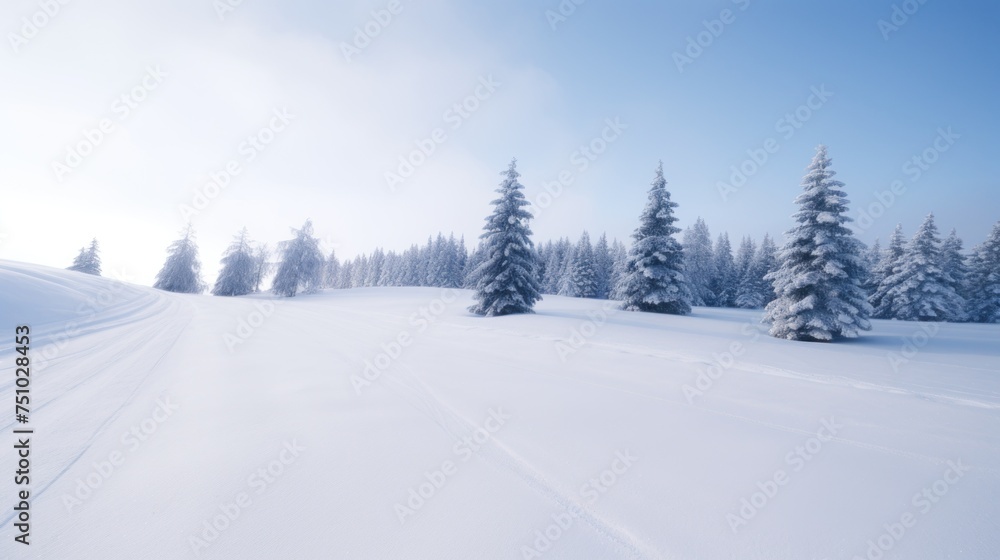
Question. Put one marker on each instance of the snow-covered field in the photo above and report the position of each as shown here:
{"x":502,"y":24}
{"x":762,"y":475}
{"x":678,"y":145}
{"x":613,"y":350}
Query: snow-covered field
{"x":577,"y":432}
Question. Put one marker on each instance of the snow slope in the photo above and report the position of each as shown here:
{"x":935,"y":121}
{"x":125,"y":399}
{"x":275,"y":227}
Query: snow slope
{"x":151,"y":423}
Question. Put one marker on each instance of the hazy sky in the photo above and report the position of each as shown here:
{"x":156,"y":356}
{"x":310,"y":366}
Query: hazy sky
{"x":309,"y":116}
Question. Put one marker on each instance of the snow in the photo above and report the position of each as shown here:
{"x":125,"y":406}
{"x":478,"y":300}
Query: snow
{"x":581,"y":388}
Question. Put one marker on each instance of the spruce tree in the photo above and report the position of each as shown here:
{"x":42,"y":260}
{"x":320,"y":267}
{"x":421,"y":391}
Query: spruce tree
{"x":873,"y":256}
{"x":239,"y":268}
{"x":80,"y":262}
{"x":507,"y":279}
{"x":301,"y":267}
{"x":756,"y":292}
{"x":331,"y":271}
{"x":818,"y":282}
{"x":346,"y":273}
{"x":583,"y":273}
{"x":724,"y":283}
{"x":88,"y":260}
{"x":984,"y":280}
{"x":619,"y":260}
{"x":953,"y":262}
{"x":261,"y":265}
{"x":181,"y":272}
{"x":93,"y":265}
{"x":921,"y":289}
{"x":699,"y":265}
{"x":654,"y":277}
{"x":744,"y":261}
{"x":882,"y":275}
{"x":454,"y":262}
{"x":603,"y":265}
{"x":747,"y":287}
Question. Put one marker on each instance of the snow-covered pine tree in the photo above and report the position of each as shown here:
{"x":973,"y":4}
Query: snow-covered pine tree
{"x":412,"y":274}
{"x":239,"y":268}
{"x":755,"y":291}
{"x":892,"y":259}
{"x":346,"y":273}
{"x":507,"y":279}
{"x":699,"y":265}
{"x":261,"y":254}
{"x":360,"y":271}
{"x":746,"y":285}
{"x":93,"y":261}
{"x":425,"y":262}
{"x":984,"y":280}
{"x":88,"y":260}
{"x":456,"y":265}
{"x":542,"y":258}
{"x":565,"y":285}
{"x":583,"y":274}
{"x":80,"y":262}
{"x":873,"y":255}
{"x":437,"y":262}
{"x":619,"y":260}
{"x":921,"y":289}
{"x":953,"y":262}
{"x":818,"y":282}
{"x":301,"y":267}
{"x":390,"y":270}
{"x":552,"y":278}
{"x":472,"y":265}
{"x":724,"y":284}
{"x":181,"y":272}
{"x":654,"y":277}
{"x":375,"y":265}
{"x":603,"y":266}
{"x":331,"y":270}
{"x":767,"y":259}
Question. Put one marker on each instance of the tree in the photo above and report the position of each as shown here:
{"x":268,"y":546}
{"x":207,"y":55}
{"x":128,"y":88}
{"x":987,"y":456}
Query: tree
{"x":818,"y":282}
{"x":619,"y":259}
{"x":261,"y":265}
{"x":603,"y":267}
{"x":892,"y":259}
{"x":454,"y":262}
{"x":88,"y":261}
{"x":80,"y":262}
{"x":507,"y":278}
{"x":747,"y":286}
{"x":583,"y":273}
{"x":555,"y":259}
{"x":755,"y":291}
{"x":984,"y":280}
{"x":872,"y":258}
{"x":301,"y":268}
{"x":331,"y":271}
{"x":921,"y":289}
{"x":654,"y":277}
{"x":699,"y":266}
{"x":181,"y":272}
{"x":472,"y":265}
{"x":953,"y":263}
{"x":744,"y":261}
{"x":724,"y":283}
{"x":346,"y":274}
{"x":239,"y":268}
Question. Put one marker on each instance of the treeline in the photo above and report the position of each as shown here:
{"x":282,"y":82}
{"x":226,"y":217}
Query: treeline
{"x":822,"y":284}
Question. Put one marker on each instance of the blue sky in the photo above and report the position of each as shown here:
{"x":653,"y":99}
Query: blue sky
{"x":888,"y":98}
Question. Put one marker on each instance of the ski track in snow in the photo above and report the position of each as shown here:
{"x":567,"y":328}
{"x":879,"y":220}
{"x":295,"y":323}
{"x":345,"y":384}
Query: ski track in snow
{"x":503,"y":457}
{"x":745,"y":367}
{"x":146,"y":327}
{"x":135,"y":336}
